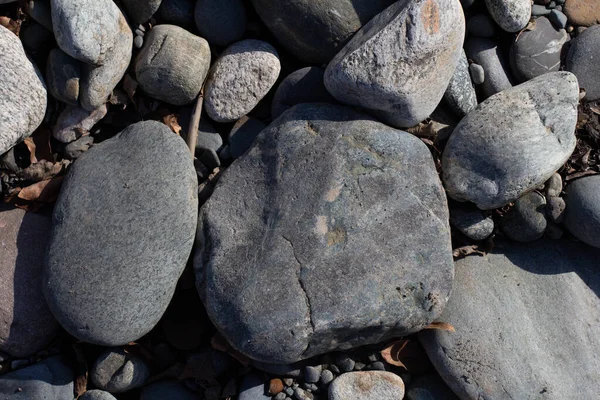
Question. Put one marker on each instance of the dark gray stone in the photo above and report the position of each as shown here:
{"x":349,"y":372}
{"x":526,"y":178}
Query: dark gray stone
{"x":22,"y":92}
{"x":513,"y":142}
{"x":510,"y":15}
{"x":220,"y":22}
{"x":73,"y":122}
{"x":582,"y":60}
{"x":460,"y":94}
{"x":481,"y":25}
{"x":486,"y":53}
{"x":172,"y":390}
{"x":344,"y":363}
{"x":526,"y":324}
{"x":302,"y":86}
{"x":555,"y":209}
{"x":39,"y":10}
{"x":526,"y":221}
{"x":242,"y":135}
{"x":26,"y":323}
{"x":63,"y":74}
{"x":313,"y":215}
{"x":539,"y":10}
{"x":36,"y":38}
{"x":253,"y":388}
{"x":429,"y":387}
{"x":50,"y":379}
{"x":122,"y":233}
{"x":559,"y":20}
{"x":471,"y":222}
{"x":477,"y":73}
{"x":371,"y":385}
{"x":312,"y":374}
{"x":141,"y":11}
{"x":582,"y":215}
{"x":400,"y":79}
{"x":314,"y":31}
{"x":117,"y":371}
{"x":97,"y":395}
{"x":173,"y":64}
{"x":178,"y":12}
{"x":537,"y":51}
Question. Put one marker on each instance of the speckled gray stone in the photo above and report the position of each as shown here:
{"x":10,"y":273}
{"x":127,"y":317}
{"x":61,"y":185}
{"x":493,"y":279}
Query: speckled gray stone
{"x":400,"y":78}
{"x":460,"y":94}
{"x":74,"y":122}
{"x":220,"y":22}
{"x":173,"y":64}
{"x":86,"y":29}
{"x":471,"y":222}
{"x":371,"y":385}
{"x":96,"y":394}
{"x":582,"y":60}
{"x":63,"y":75}
{"x":22,"y":92}
{"x":243,"y":134}
{"x":513,"y":142}
{"x":537,"y":51}
{"x":50,"y":379}
{"x":526,"y":221}
{"x":172,"y":390}
{"x":510,"y":15}
{"x":98,"y":82}
{"x":141,"y":11}
{"x":477,"y":73}
{"x":312,"y":208}
{"x":486,"y":53}
{"x":111,"y":273}
{"x":526,"y":324}
{"x":239,"y":79}
{"x":582,"y":216}
{"x":117,"y":371}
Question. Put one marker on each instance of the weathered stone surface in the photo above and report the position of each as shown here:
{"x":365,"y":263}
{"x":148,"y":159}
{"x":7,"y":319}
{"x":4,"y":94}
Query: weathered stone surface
{"x":86,"y":29}
{"x":543,"y":339}
{"x":368,"y":385}
{"x":97,"y":82}
{"x":97,"y":395}
{"x":63,"y":74}
{"x":26,"y":323}
{"x":141,"y":11}
{"x":50,"y":379}
{"x":242,"y":75}
{"x":73,"y":122}
{"x":471,"y":222}
{"x":400,"y":78}
{"x":526,"y":221}
{"x":582,"y":60}
{"x":582,"y":215}
{"x":172,"y":390}
{"x":122,"y":233}
{"x":220,"y":22}
{"x":312,"y":208}
{"x":510,"y":15}
{"x":513,"y":142}
{"x":460,"y":94}
{"x":537,"y":51}
{"x":314,"y":31}
{"x":583,"y":12}
{"x":22,"y":92}
{"x":172,"y":64}
{"x":488,"y":55}
{"x":117,"y":371}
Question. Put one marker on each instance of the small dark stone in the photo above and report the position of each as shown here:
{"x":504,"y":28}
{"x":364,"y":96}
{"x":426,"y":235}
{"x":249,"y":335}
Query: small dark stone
{"x":326,"y":377}
{"x":526,"y":221}
{"x":376,"y":366}
{"x":555,"y":209}
{"x":345,"y":363}
{"x":312,"y":374}
{"x":78,"y":147}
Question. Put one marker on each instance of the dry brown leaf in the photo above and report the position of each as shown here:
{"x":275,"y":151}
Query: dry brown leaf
{"x":464,"y":251}
{"x":44,"y":191}
{"x":172,"y":122}
{"x":81,"y":371}
{"x":31,"y":148}
{"x":440,"y":326}
{"x":407,"y":354}
{"x":10,"y":24}
{"x":42,"y":170}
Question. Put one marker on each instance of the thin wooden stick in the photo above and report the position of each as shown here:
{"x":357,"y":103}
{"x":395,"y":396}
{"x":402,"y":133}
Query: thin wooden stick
{"x":192,"y":136}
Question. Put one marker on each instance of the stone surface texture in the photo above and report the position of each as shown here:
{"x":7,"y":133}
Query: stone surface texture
{"x":583,"y":12}
{"x":50,"y":379}
{"x":96,"y":394}
{"x":117,"y":371}
{"x":141,"y":11}
{"x":510,"y":15}
{"x":582,"y":215}
{"x":471,"y":222}
{"x":460,"y":94}
{"x":220,"y":22}
{"x":367,"y":385}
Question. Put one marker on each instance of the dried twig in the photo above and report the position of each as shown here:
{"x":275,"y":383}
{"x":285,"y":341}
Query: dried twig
{"x":192,"y":136}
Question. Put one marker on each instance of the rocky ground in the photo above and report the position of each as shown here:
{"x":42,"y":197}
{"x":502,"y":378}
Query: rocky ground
{"x":343,"y":200}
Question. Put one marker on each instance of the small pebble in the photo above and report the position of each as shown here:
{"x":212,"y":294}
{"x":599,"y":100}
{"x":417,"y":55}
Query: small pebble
{"x":558,"y":19}
{"x":139,"y":32}
{"x":312,"y":374}
{"x":477,"y":73}
{"x":345,"y":363}
{"x":288,"y":381}
{"x":275,"y":386}
{"x":289,"y":391}
{"x":377,"y":366}
{"x":372,"y":358}
{"x":359,"y":366}
{"x":334,"y":368}
{"x":555,"y":209}
{"x":326,"y":377}
{"x":138,"y":42}
{"x":554,"y":186}
{"x":311,"y":387}
{"x":280,"y":396}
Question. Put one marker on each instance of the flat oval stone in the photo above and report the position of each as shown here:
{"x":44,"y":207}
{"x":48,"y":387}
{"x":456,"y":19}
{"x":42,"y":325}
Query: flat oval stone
{"x":310,"y":210}
{"x":582,"y":60}
{"x":400,"y":78}
{"x":583,"y":12}
{"x":582,"y":214}
{"x":510,"y":15}
{"x":22,"y":92}
{"x":123,"y":230}
{"x":512,"y":142}
{"x":367,"y":385}
{"x":117,"y":371}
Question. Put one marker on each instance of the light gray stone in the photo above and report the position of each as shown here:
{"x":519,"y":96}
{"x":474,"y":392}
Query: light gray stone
{"x":96,"y":394}
{"x":220,"y":22}
{"x":369,"y":385}
{"x":239,"y":79}
{"x":526,"y":324}
{"x":400,"y":78}
{"x":74,"y":122}
{"x":554,"y":185}
{"x":314,"y":206}
{"x":162,"y":390}
{"x":582,"y":60}
{"x":98,"y":82}
{"x":50,"y":379}
{"x":526,"y":221}
{"x":582,"y":215}
{"x":117,"y":371}
{"x":141,"y":11}
{"x":460,"y":94}
{"x":510,"y":15}
{"x":513,"y":142}
{"x":173,"y":64}
{"x":63,"y":75}
{"x":22,"y":93}
{"x":86,"y":29}
{"x":490,"y":57}
{"x":471,"y":222}
{"x":122,"y":233}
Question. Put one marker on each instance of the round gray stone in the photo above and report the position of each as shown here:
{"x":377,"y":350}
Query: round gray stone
{"x":370,"y":385}
{"x":460,"y":94}
{"x":313,"y":207}
{"x":489,"y":56}
{"x":239,"y":79}
{"x":582,"y":60}
{"x":510,"y":15}
{"x":220,"y":22}
{"x":172,"y":390}
{"x":22,"y":92}
{"x":122,"y":234}
{"x":471,"y":222}
{"x":117,"y":371}
{"x":513,"y":142}
{"x":50,"y":379}
{"x":63,"y":74}
{"x":400,"y":78}
{"x":526,"y":221}
{"x":582,"y":216}
{"x":173,"y":64}
{"x":559,"y":20}
{"x":141,"y":11}
{"x":96,"y":394}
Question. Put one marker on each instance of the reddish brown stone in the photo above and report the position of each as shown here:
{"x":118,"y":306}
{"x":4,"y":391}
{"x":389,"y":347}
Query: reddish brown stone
{"x":583,"y":12}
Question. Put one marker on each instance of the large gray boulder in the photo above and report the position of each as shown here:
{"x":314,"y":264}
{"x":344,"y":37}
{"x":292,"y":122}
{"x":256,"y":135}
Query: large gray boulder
{"x":512,"y":142}
{"x":399,"y":65}
{"x":298,"y":249}
{"x":50,"y":379}
{"x":582,"y":215}
{"x":123,"y":229}
{"x":22,"y":92}
{"x":526,"y":321}
{"x":582,"y":60}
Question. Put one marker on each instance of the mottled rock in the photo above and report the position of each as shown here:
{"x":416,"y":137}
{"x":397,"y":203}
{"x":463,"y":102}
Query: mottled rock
{"x":220,"y":22}
{"x":178,"y":12}
{"x":582,"y":216}
{"x":63,"y":74}
{"x":533,"y":292}
{"x":242,"y":135}
{"x":26,"y":323}
{"x":471,"y":222}
{"x":111,"y":273}
{"x":74,"y":122}
{"x":312,"y":208}
{"x":97,"y":395}
{"x":117,"y":371}
{"x":86,"y":29}
{"x":50,"y":379}
{"x":582,"y":60}
{"x":510,"y":15}
{"x":460,"y":94}
{"x":141,"y":11}
{"x":372,"y":385}
{"x":22,"y":92}
{"x":172,"y":390}
{"x":488,"y":55}
{"x":172,"y":64}
{"x":537,"y":51}
{"x":583,"y":12}
{"x":429,"y":387}
{"x":526,"y":221}
{"x":400,"y":79}
{"x":239,"y":79}
{"x":513,"y":142}
{"x":314,"y":31}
